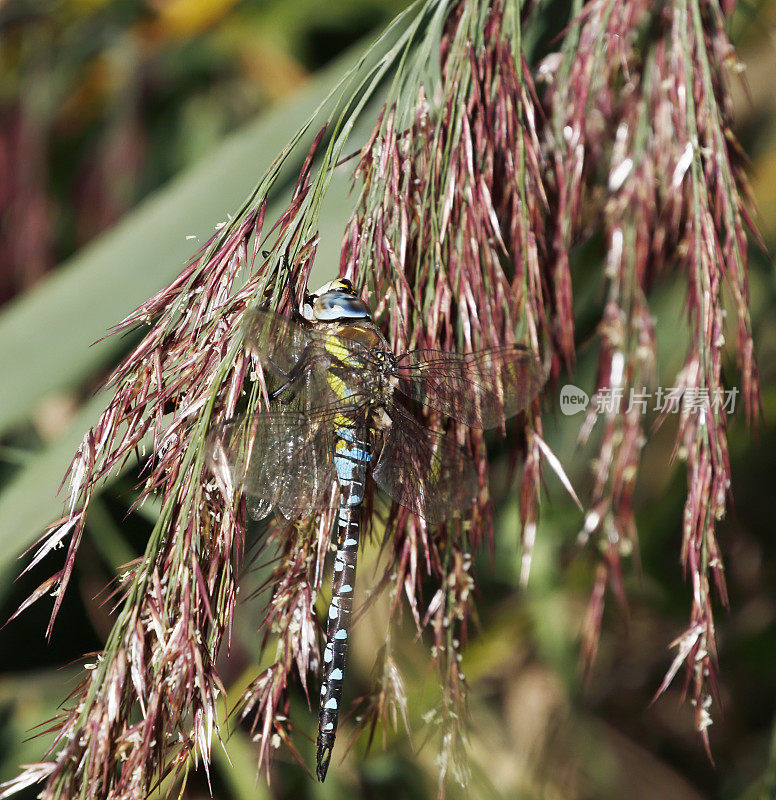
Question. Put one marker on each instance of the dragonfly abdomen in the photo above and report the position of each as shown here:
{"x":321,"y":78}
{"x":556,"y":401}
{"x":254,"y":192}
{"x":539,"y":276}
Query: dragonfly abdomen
{"x":351,"y":459}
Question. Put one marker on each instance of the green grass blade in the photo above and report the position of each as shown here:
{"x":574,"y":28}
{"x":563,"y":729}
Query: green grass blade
{"x":46,"y":335}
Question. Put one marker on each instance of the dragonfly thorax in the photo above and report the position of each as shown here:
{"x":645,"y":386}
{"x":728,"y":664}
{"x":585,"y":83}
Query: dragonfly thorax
{"x":361,"y":363}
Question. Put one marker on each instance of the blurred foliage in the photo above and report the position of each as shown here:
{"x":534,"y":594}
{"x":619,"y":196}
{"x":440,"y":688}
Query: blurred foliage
{"x":102,"y":104}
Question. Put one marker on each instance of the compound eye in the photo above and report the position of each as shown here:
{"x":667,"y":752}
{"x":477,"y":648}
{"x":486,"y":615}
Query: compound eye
{"x":338,"y":305}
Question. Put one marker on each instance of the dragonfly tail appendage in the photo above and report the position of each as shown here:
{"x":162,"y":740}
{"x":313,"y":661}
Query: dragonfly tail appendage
{"x":338,"y":629}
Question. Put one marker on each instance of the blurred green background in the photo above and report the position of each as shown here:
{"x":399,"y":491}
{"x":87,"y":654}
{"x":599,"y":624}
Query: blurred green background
{"x":128,"y":130}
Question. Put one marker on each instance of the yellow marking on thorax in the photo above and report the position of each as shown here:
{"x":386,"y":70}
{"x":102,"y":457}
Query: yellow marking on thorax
{"x":338,"y":386}
{"x":336,"y":348}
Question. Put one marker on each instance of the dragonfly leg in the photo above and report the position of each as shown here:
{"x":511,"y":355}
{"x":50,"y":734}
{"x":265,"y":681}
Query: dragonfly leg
{"x":301,"y":366}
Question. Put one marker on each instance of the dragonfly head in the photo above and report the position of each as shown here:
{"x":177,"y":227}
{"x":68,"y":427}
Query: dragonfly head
{"x":335,"y":301}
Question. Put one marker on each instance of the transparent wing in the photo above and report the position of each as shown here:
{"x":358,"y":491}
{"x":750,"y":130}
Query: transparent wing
{"x":480,"y":389}
{"x":279,"y":342}
{"x":423,"y":470}
{"x":282,"y":459}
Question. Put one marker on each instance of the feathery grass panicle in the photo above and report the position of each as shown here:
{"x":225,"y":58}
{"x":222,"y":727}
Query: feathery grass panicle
{"x":654,"y":77}
{"x":472,"y":190}
{"x":448,"y":240}
{"x":290,"y":624}
{"x":150,"y":701}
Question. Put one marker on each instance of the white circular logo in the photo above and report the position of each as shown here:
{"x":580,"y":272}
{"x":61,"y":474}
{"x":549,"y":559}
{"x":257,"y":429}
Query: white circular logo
{"x":573,"y":399}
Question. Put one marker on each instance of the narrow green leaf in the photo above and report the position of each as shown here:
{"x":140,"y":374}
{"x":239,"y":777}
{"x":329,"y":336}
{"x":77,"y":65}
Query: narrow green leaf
{"x":29,"y":502}
{"x":46,"y":335}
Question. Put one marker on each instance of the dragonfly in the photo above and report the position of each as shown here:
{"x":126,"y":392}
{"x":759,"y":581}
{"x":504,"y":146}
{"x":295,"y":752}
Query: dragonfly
{"x":334,"y":417}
